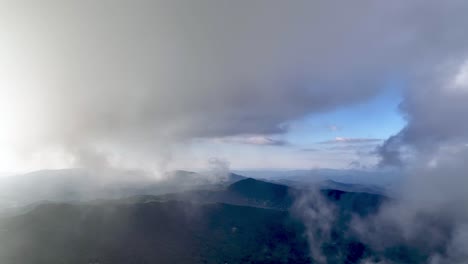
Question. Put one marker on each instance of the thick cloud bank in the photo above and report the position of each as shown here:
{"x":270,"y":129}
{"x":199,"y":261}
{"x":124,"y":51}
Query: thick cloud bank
{"x":109,"y":77}
{"x":429,"y":216}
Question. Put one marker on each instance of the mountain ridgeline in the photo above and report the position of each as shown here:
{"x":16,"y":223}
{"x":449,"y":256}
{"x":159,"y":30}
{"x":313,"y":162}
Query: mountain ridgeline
{"x":248,"y":221}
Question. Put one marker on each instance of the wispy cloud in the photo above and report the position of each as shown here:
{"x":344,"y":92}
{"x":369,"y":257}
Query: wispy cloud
{"x":333,"y":128}
{"x":345,"y":140}
{"x":352,"y":147}
{"x":310,"y":149}
{"x":258,"y":140}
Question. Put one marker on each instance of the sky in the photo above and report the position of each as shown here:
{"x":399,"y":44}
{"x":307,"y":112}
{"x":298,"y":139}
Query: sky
{"x":162,"y":85}
{"x":344,"y":138}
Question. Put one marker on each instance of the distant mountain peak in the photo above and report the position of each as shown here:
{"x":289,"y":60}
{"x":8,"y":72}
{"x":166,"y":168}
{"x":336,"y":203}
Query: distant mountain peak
{"x":257,"y":189}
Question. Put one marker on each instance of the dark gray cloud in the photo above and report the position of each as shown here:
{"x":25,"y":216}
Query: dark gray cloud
{"x":435,"y":116}
{"x":390,"y":152}
{"x":435,"y":101}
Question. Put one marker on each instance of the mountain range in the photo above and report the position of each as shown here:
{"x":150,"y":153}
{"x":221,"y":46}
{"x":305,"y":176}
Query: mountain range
{"x":244,"y":221}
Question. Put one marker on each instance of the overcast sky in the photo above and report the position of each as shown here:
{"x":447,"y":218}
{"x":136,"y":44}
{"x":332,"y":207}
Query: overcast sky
{"x":260,"y":84}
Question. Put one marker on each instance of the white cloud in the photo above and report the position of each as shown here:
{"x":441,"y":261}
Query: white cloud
{"x":460,"y":82}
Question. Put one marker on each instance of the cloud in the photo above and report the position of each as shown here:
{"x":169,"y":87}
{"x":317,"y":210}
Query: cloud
{"x":333,"y":128}
{"x":431,"y":202}
{"x":344,"y":140}
{"x":357,"y":165}
{"x":120,"y":77}
{"x":319,"y":216}
{"x":257,"y":140}
{"x":434,"y":108}
{"x":349,"y":147}
{"x":136,"y":78}
{"x":390,"y":152}
{"x":310,"y":149}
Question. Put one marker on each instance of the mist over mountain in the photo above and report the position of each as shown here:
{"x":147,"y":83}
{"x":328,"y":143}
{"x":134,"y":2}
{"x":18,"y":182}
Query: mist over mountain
{"x":85,"y":185}
{"x":242,"y":222}
{"x":249,"y":221}
{"x":237,"y":220}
